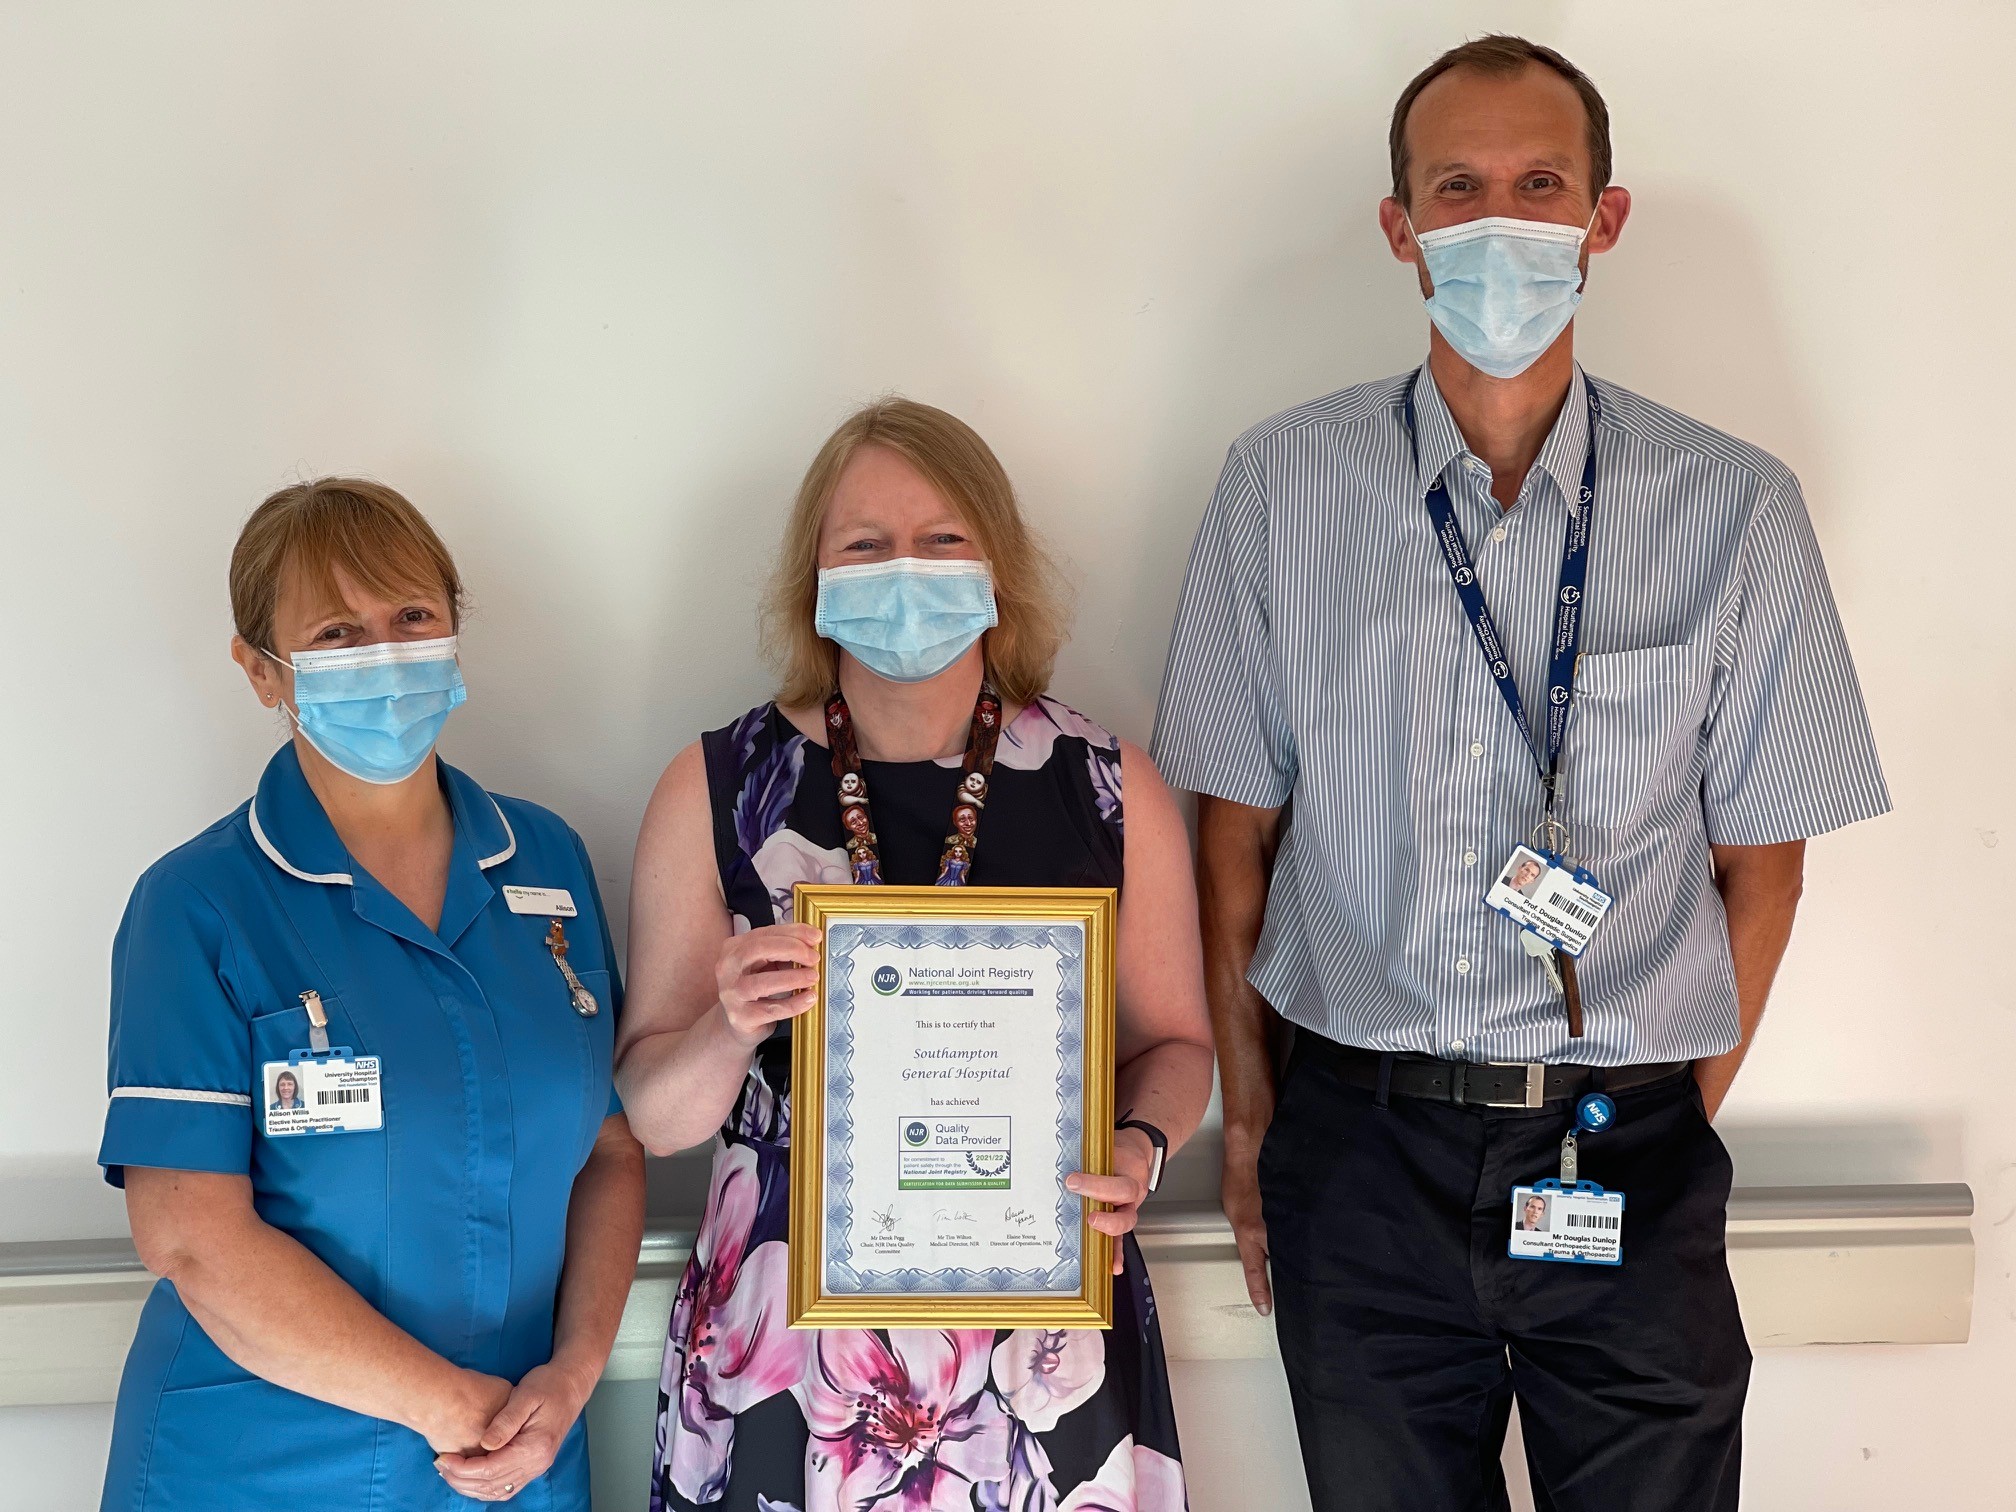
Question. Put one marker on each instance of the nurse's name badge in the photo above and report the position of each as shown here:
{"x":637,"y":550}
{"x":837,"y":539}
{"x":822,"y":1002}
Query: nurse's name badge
{"x":1539,"y":893}
{"x":546,"y":902}
{"x":322,"y":1092}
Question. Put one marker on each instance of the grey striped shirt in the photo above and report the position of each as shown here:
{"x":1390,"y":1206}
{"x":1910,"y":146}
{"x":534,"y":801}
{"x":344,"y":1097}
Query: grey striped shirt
{"x":1321,"y":660}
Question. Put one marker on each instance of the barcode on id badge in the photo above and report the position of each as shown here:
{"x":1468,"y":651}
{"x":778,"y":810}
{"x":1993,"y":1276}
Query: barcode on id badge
{"x":1591,"y":1220}
{"x":343,"y":1095}
{"x":1575,"y":911}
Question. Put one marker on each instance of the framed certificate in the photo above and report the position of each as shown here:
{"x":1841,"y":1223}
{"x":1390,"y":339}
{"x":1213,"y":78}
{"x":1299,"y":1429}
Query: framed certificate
{"x":957,"y":1066}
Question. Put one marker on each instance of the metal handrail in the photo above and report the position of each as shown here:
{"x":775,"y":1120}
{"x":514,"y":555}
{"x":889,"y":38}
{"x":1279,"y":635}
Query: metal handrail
{"x":668,"y":1240}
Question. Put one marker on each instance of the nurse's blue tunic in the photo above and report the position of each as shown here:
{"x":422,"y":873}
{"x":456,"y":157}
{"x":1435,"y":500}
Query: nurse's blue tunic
{"x":450,"y":1220}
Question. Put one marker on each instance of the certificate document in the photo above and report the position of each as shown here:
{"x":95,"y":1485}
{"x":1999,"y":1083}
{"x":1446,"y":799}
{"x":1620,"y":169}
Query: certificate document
{"x":964,"y":1040}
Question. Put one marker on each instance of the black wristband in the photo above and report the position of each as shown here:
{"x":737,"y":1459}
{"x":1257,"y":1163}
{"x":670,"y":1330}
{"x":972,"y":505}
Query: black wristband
{"x":1155,"y":1137}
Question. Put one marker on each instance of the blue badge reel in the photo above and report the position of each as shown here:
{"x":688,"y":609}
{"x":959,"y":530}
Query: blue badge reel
{"x":1594,"y":1113}
{"x":321,"y":1092}
{"x":1577,"y":1223}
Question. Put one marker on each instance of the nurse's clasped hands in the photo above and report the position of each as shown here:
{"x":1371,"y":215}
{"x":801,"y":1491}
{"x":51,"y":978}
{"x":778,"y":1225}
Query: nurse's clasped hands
{"x":518,"y":1444}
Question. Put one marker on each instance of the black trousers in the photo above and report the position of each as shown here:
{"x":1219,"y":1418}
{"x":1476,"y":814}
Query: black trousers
{"x":1407,"y":1331}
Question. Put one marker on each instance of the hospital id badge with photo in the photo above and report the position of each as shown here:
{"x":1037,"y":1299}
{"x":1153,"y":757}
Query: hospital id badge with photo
{"x":322,"y":1092}
{"x":1577,"y":1222}
{"x":1540,"y":893}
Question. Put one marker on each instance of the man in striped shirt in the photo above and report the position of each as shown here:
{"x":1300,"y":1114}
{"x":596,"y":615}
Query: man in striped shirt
{"x":1380,"y":577}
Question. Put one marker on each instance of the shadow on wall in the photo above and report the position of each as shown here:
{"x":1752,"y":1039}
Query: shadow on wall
{"x":1869,"y":1152}
{"x":57,"y":1197}
{"x":1685,"y":313}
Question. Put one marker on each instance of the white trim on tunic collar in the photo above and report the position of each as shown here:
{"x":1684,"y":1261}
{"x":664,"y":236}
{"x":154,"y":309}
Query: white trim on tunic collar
{"x":345,"y":879}
{"x":510,"y":838}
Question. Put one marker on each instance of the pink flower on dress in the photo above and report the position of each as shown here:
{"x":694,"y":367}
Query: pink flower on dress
{"x":1045,"y":1372}
{"x":1025,"y":1484}
{"x":1133,"y":1479}
{"x":788,"y":858}
{"x":729,"y":1347}
{"x":906,"y":1425}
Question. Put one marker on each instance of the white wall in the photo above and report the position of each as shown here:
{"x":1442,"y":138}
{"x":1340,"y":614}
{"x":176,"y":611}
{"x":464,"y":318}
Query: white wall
{"x":590,"y":282}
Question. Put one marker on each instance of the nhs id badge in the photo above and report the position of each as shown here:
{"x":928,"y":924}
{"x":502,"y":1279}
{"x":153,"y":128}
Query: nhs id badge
{"x":1539,"y":893}
{"x":1577,"y":1222}
{"x":322,"y":1092}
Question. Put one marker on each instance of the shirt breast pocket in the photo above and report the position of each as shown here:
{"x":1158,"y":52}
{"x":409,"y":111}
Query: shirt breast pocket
{"x":1633,"y":732}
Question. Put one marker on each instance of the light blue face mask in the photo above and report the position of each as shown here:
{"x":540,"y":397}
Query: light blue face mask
{"x":376,"y":711}
{"x":1504,"y":288}
{"x":908,"y":619}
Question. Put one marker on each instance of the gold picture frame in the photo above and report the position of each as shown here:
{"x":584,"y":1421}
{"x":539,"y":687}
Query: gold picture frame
{"x":811,"y":1305}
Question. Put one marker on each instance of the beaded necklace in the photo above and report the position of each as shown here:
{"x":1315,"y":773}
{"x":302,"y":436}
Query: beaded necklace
{"x":955,"y":864}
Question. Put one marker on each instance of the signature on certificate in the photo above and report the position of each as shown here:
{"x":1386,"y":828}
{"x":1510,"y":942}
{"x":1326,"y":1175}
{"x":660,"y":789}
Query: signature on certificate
{"x":944,"y":1215}
{"x":885,"y":1221}
{"x":1020,"y":1217}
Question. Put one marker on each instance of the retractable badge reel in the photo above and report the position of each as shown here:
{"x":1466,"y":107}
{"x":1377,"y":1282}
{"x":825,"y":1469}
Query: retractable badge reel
{"x":1566,"y":1218}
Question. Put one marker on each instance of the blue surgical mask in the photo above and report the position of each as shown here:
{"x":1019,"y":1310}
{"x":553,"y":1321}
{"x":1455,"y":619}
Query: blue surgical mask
{"x":906,"y":620}
{"x":1504,"y":288}
{"x":376,"y":711}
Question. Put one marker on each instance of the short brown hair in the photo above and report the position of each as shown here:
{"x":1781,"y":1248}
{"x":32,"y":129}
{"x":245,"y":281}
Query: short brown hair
{"x":379,"y":540}
{"x":1020,"y":651}
{"x":1500,"y":54}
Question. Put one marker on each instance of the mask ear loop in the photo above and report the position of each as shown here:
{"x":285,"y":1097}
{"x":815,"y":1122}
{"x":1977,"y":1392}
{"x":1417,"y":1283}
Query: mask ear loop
{"x":280,"y":701}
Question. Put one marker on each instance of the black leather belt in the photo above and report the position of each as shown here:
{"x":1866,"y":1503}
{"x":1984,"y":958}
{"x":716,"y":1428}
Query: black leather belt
{"x":1481,"y":1084}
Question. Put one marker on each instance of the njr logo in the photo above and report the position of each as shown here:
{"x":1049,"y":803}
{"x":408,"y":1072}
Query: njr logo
{"x":887,"y":979}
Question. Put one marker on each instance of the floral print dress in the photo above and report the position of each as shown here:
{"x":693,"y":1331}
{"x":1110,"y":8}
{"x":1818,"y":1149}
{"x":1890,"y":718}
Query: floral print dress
{"x":757,"y":1417}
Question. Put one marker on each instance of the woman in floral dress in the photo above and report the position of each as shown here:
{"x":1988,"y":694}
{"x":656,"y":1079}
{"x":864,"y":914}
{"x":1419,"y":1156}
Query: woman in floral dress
{"x":906,"y":548}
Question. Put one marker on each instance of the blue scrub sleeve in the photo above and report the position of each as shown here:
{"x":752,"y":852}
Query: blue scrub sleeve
{"x":180,"y":1072}
{"x":608,"y":954}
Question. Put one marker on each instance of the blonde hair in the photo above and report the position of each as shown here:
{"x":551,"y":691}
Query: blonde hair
{"x":380,"y":541}
{"x":1020,"y":651}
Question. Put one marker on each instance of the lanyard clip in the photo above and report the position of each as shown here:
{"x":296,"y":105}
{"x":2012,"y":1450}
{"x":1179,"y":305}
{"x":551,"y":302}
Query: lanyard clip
{"x":318,"y":1020}
{"x":1551,"y":836}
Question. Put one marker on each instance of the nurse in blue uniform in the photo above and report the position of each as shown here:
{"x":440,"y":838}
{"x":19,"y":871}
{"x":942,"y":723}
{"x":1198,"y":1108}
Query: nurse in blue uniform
{"x":360,"y":1083}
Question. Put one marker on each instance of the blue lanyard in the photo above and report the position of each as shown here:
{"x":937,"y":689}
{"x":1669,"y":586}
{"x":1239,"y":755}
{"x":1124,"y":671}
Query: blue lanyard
{"x":1568,"y":604}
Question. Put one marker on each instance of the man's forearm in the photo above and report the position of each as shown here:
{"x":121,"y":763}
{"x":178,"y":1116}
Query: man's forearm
{"x":1760,"y":887}
{"x":1235,"y":858}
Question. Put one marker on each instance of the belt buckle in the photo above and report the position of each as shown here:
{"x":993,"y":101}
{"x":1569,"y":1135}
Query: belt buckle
{"x":1536,"y":1085}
